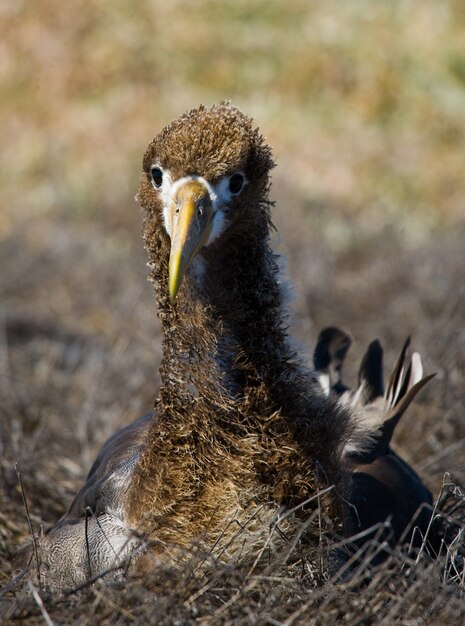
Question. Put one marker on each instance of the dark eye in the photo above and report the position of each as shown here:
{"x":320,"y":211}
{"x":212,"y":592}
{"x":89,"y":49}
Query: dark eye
{"x":236,"y":182}
{"x":157,"y":176}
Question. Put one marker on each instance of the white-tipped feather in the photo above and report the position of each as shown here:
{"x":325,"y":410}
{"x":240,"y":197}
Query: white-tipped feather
{"x":417,"y":369}
{"x":325,"y":384}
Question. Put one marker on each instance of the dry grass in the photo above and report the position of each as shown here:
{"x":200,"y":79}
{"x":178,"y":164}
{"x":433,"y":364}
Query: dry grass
{"x":364,"y":103}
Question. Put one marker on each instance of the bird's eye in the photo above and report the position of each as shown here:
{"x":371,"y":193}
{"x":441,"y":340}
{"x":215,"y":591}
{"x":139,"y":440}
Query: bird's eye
{"x":236,"y":183}
{"x":157,"y":176}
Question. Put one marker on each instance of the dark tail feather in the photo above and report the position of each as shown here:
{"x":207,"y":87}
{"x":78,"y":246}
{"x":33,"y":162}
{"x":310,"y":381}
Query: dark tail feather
{"x":395,"y":377}
{"x":371,"y":372}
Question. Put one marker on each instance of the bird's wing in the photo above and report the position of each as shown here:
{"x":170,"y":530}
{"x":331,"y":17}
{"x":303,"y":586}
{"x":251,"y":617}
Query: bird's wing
{"x":103,"y":489}
{"x":376,"y":412}
{"x":92,"y":538}
{"x":377,"y":419}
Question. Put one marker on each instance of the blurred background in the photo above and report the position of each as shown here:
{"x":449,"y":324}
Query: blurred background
{"x":364,"y":103}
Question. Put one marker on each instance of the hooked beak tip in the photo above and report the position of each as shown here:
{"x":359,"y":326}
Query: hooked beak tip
{"x":176,"y":273}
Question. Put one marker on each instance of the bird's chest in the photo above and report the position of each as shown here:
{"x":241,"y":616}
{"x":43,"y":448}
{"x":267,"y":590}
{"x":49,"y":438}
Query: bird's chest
{"x":213,"y":484}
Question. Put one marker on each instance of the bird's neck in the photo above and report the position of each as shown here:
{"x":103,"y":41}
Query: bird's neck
{"x":225,"y":333}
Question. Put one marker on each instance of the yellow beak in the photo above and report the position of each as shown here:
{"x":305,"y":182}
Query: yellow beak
{"x":190,"y":215}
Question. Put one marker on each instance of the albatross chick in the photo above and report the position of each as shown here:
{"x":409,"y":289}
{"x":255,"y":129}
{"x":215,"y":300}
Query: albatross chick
{"x":239,"y":424}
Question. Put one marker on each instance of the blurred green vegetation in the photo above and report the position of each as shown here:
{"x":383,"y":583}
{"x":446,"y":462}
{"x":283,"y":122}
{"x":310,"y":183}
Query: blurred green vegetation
{"x":363,"y":101}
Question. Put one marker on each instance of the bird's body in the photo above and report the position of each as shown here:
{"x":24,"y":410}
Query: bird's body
{"x":239,"y":423}
{"x":383,"y":487}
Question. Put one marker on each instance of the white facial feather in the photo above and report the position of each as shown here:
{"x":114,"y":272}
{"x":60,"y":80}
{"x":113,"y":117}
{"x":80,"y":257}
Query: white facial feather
{"x":220,"y":195}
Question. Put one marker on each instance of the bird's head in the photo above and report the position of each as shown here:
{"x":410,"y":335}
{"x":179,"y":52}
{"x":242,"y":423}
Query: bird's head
{"x":205,"y":175}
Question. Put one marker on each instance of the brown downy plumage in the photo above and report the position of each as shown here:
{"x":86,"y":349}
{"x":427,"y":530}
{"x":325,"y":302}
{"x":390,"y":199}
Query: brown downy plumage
{"x":383,"y":487}
{"x":239,"y":424}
